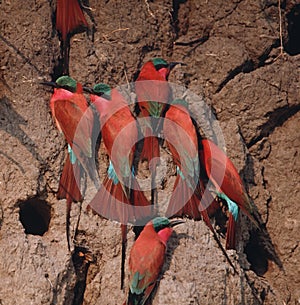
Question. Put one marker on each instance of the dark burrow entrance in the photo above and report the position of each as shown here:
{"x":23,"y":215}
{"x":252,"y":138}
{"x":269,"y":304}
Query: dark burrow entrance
{"x":256,"y":255}
{"x":35,"y":215}
{"x":292,"y":46}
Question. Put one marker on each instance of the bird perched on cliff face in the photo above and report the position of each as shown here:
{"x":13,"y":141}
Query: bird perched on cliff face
{"x":119,"y":198}
{"x":189,"y":197}
{"x":74,"y":119}
{"x":147,"y":258}
{"x":229,"y":186}
{"x":153,"y":93}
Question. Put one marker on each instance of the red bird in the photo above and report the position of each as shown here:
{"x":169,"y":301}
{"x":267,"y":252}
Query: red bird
{"x":153,"y":94}
{"x":120,"y":197}
{"x":181,"y":137}
{"x":229,"y":186}
{"x":74,"y":119}
{"x":69,"y":20}
{"x":146,"y":259}
{"x":189,"y":197}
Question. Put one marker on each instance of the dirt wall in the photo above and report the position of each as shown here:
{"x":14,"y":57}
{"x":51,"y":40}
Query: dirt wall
{"x":233,"y":54}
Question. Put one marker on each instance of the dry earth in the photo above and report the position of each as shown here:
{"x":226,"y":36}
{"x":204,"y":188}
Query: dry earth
{"x":232,"y":51}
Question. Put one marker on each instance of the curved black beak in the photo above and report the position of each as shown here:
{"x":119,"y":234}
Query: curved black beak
{"x":175,"y":63}
{"x":88,"y":90}
{"x":50,"y":84}
{"x":176,"y":222}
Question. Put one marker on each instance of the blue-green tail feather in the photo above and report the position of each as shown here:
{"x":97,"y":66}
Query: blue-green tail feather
{"x":112,"y":173}
{"x":71,"y":155}
{"x":232,"y":206}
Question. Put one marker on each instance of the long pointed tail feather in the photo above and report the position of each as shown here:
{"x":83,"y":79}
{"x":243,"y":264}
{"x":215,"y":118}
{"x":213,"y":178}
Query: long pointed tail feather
{"x":230,"y":234}
{"x":123,"y":258}
{"x":111,"y":202}
{"x":183,"y":201}
{"x":68,"y":215}
{"x":69,"y":180}
{"x":150,"y":149}
{"x":207,"y":201}
{"x":69,"y":189}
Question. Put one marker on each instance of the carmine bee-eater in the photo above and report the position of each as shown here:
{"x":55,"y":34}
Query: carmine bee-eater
{"x":229,"y":186}
{"x":189,"y":198}
{"x":120,"y":197}
{"x":146,"y":259}
{"x":153,"y":94}
{"x":74,"y":119}
{"x":181,"y":137}
{"x":69,"y":21}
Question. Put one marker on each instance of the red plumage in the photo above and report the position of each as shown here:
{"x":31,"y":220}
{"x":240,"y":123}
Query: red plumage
{"x":69,"y":21}
{"x":145,"y":263}
{"x":118,"y":200}
{"x":119,"y":135}
{"x":69,"y":17}
{"x":221,"y":171}
{"x":74,"y":119}
{"x":153,"y":94}
{"x":181,"y":137}
{"x":189,"y":198}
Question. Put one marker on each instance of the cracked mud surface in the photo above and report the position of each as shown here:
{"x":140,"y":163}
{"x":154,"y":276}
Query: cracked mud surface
{"x":231,"y":50}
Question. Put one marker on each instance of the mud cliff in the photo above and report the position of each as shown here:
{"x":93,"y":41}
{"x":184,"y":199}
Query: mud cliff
{"x":242,"y":59}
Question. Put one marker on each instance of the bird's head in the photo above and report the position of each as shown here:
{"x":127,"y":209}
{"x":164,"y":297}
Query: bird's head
{"x":163,"y":67}
{"x":101,"y":98}
{"x":163,"y":227}
{"x":103,"y":90}
{"x":63,"y":82}
{"x":99,"y":89}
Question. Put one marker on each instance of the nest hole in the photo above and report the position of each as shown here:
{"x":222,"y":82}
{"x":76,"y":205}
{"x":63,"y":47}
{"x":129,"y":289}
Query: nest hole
{"x":256,"y":254}
{"x":292,"y":46}
{"x":35,"y":215}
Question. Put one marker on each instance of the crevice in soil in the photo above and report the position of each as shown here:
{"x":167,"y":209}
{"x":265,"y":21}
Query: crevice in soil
{"x":1,"y":215}
{"x":249,"y":65}
{"x":175,"y":21}
{"x":22,"y":55}
{"x":10,"y":122}
{"x":276,"y":119}
{"x":192,"y":42}
{"x":259,"y":249}
{"x":35,"y":215}
{"x":292,"y":46}
{"x":62,"y":285}
{"x":256,"y":255}
{"x":82,"y":258}
{"x":69,"y":284}
{"x":245,"y":67}
{"x":195,"y":43}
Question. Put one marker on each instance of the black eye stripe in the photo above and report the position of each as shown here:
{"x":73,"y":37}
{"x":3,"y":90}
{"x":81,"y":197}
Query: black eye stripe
{"x":71,"y":89}
{"x":160,"y":66}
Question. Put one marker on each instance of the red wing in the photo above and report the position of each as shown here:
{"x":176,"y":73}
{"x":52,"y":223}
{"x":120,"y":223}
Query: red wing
{"x":112,"y":203}
{"x":147,"y":260}
{"x":223,"y":173}
{"x":181,"y":136}
{"x":76,"y":126}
